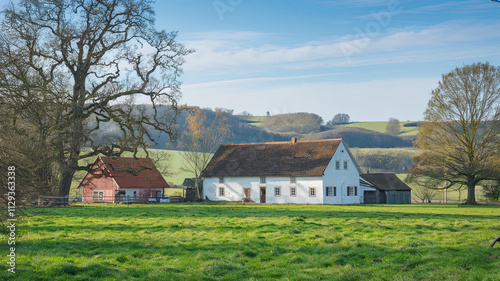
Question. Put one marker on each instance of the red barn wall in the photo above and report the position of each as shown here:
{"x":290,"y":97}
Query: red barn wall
{"x":97,"y":182}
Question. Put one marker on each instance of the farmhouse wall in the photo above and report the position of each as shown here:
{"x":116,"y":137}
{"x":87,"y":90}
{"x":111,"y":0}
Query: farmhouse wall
{"x":93,"y":183}
{"x":234,"y":189}
{"x":342,"y":179}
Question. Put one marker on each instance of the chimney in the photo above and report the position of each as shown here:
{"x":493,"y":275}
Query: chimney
{"x":294,"y":140}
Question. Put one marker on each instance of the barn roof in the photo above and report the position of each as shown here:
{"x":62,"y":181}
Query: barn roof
{"x":292,"y":158}
{"x":384,"y":181}
{"x":133,"y":172}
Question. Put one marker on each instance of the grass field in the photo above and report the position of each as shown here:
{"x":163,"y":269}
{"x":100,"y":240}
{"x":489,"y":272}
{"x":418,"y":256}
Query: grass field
{"x":257,"y":242}
{"x":379,"y":127}
{"x":253,"y":120}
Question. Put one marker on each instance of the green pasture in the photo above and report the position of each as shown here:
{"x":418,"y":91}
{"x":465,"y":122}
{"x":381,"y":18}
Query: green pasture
{"x":379,"y":126}
{"x":252,"y":120}
{"x":209,"y":241}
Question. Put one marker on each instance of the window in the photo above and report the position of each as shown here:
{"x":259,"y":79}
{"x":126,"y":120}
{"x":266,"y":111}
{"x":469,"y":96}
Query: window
{"x":135,"y":194}
{"x":277,"y":191}
{"x":222,"y":191}
{"x":98,"y":195}
{"x":352,"y":191}
{"x":337,"y":165}
{"x":345,"y":165}
{"x":331,"y":191}
{"x":221,"y":180}
{"x":262,"y":179}
{"x":312,"y":191}
{"x":293,"y":180}
{"x":293,"y":191}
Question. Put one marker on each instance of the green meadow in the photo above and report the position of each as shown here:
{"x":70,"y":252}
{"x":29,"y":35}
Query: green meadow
{"x":379,"y":126}
{"x":209,"y":241}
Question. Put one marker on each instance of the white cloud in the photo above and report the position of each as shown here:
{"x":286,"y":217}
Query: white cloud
{"x":253,"y":80}
{"x":357,"y":3}
{"x":236,"y":52}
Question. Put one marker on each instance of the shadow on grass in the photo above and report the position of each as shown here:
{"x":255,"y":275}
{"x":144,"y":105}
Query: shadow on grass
{"x":253,"y":258}
{"x":235,"y":210}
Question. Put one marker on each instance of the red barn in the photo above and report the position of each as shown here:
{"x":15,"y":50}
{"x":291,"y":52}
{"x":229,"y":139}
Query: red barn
{"x":118,"y":179}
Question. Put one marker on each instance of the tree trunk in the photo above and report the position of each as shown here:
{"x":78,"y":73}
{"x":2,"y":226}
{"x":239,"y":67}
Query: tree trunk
{"x":64,"y":186}
{"x":471,"y":191}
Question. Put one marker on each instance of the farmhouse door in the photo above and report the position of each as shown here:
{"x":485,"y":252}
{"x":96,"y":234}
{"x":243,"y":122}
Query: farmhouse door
{"x":262,"y":195}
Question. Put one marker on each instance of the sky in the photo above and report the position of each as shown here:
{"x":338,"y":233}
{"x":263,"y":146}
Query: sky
{"x":370,"y":59}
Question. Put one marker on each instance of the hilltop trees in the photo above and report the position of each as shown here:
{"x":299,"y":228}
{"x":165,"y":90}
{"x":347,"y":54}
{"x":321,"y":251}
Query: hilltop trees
{"x":393,"y":128}
{"x":459,"y":141}
{"x":67,"y":64}
{"x":338,"y":119}
{"x":293,"y":123}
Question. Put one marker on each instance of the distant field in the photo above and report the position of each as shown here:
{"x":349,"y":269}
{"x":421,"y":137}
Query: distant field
{"x":208,"y":241}
{"x":379,"y":127}
{"x":253,"y":120}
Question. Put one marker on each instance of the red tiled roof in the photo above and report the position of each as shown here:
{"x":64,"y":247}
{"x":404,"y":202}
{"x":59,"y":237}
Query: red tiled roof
{"x":133,"y":172}
{"x":301,"y":158}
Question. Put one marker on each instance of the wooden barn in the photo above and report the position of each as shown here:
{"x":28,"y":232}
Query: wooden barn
{"x":389,"y":189}
{"x":119,"y":179}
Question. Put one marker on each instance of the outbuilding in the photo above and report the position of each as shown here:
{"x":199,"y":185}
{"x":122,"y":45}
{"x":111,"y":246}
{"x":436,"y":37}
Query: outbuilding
{"x":122,"y":179}
{"x":389,"y":189}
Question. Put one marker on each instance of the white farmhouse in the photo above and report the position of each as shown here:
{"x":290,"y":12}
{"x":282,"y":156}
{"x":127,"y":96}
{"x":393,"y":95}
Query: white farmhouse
{"x":296,"y":172}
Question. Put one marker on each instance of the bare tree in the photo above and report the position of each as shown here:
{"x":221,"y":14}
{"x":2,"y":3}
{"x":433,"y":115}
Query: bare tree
{"x":459,"y":142}
{"x":393,"y":127}
{"x":338,"y":119}
{"x":201,"y":140}
{"x":424,"y":193}
{"x":67,"y":65}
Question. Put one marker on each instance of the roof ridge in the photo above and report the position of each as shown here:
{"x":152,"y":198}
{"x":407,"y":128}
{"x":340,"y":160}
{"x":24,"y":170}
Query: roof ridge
{"x":280,"y":142}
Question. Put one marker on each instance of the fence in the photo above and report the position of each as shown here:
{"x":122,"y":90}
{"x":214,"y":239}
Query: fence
{"x":55,"y":200}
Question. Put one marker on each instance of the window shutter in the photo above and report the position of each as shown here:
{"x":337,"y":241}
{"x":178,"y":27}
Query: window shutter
{"x":334,"y":191}
{"x":355,"y":191}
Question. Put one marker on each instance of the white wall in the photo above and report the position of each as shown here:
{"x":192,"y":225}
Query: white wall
{"x":234,"y":189}
{"x":343,"y":178}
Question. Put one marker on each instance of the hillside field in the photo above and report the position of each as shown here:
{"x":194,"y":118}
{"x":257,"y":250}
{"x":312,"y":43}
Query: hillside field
{"x":208,"y":241}
{"x":378,"y":126}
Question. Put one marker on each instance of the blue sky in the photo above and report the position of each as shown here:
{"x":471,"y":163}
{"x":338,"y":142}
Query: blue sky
{"x":370,"y":59}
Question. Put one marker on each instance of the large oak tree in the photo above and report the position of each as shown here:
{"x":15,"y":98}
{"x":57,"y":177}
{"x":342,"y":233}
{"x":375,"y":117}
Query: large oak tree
{"x":69,"y":66}
{"x":459,"y":142}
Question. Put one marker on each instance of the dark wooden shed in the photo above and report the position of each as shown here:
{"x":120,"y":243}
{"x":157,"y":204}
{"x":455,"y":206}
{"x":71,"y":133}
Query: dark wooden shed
{"x":389,"y":189}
